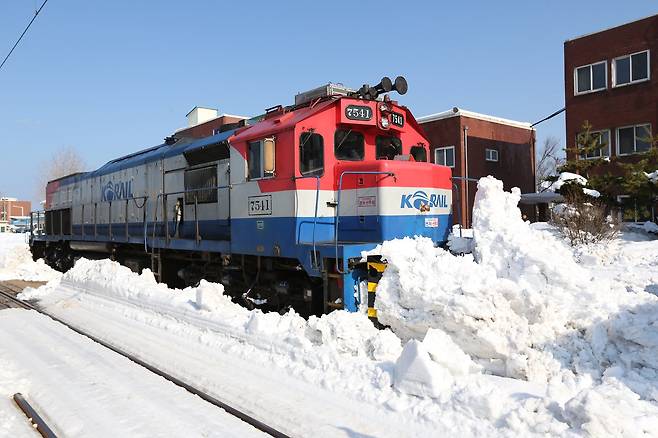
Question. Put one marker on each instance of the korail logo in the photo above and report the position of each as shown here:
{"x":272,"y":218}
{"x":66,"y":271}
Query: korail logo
{"x":420,"y":198}
{"x":115,"y":191}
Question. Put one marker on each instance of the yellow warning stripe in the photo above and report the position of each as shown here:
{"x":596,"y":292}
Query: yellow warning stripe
{"x":372,"y":312}
{"x":380,"y":267}
{"x":372,"y":286}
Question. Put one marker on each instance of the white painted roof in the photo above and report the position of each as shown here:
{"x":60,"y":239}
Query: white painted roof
{"x":609,"y":28}
{"x":462,"y":112}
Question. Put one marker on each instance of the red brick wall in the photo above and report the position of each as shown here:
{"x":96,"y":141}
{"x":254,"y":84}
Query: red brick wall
{"x":206,"y":129}
{"x":516,"y":155}
{"x":14,"y":208}
{"x":612,"y":107}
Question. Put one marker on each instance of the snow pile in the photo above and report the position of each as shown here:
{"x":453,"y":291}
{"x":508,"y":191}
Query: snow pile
{"x":207,"y":306}
{"x":650,"y":227}
{"x":525,"y":308}
{"x":16,"y":261}
{"x":570,"y":178}
{"x":417,"y":374}
{"x":460,"y":245}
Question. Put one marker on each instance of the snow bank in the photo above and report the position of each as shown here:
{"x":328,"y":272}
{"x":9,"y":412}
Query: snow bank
{"x":526,"y":308}
{"x":207,"y":306}
{"x":16,"y":261}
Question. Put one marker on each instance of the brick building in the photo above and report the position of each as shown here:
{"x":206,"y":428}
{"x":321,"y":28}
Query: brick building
{"x":204,"y":122}
{"x":12,"y":209}
{"x":489,"y":145}
{"x":611,"y":81}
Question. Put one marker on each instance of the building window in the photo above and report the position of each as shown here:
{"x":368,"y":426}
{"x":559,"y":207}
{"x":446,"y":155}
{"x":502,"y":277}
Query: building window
{"x":491,"y":154}
{"x":603,"y":140}
{"x":419,"y":153}
{"x":631,"y":68}
{"x":633,"y":139}
{"x":386,"y":148}
{"x":311,"y":154}
{"x":349,"y":145}
{"x":589,"y":78}
{"x":260,"y":158}
{"x":201,"y":185}
{"x":445,"y":156}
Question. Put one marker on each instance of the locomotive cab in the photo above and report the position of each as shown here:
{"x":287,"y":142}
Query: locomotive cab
{"x":322,"y":182}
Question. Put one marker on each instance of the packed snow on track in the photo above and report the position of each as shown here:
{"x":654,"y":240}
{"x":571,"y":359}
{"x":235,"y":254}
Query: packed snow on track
{"x":526,"y":337}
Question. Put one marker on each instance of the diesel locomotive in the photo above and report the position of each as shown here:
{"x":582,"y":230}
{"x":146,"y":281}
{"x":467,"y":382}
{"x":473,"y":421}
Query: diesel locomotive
{"x":279,"y":210}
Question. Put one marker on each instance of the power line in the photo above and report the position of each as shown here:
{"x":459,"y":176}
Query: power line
{"x":23,"y":34}
{"x":549,"y":117}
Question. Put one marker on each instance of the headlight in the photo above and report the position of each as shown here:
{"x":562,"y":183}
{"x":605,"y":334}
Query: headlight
{"x":384,"y":122}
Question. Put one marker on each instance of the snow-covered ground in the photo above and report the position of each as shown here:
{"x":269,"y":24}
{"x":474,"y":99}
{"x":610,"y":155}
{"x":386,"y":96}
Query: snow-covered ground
{"x":83,"y":389}
{"x":526,"y":337}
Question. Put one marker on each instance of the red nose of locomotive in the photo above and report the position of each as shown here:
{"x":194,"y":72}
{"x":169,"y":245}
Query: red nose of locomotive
{"x":387,"y":199}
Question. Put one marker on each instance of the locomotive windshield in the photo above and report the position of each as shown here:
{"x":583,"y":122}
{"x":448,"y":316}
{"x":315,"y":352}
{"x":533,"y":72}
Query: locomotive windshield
{"x":349,"y":145}
{"x":387,"y":147}
{"x":419,"y":153}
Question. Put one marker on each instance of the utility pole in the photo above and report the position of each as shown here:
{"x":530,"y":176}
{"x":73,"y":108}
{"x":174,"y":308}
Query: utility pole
{"x":466,"y":179}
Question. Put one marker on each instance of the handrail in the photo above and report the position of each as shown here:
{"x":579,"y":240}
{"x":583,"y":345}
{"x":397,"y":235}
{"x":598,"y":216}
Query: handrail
{"x":340,"y":188}
{"x":315,"y":218}
{"x":179,"y":192}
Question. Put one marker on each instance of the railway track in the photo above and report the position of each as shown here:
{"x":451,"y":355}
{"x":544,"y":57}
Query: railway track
{"x":8,"y":292}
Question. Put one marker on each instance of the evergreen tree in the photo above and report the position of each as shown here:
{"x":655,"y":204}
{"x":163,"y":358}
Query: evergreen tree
{"x":588,"y":145}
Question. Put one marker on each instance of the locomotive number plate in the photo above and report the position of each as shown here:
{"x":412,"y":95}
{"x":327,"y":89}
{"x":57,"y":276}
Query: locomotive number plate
{"x":260,"y":205}
{"x":358,"y":112}
{"x":397,"y":119}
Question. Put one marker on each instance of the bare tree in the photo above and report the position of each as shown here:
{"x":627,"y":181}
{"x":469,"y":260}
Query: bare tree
{"x":548,"y":160}
{"x":62,"y":162}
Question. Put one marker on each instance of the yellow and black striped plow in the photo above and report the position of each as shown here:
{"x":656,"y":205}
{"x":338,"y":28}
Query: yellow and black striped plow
{"x":375,"y":272}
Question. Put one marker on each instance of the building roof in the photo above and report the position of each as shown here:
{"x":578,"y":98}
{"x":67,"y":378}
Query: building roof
{"x":611,"y":27}
{"x":540,"y":198}
{"x":462,"y":112}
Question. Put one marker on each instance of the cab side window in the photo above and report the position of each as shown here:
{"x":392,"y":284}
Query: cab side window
{"x":311,"y":154}
{"x":349,"y":145}
{"x":386,"y":148}
{"x":419,"y":153}
{"x":260,"y":158}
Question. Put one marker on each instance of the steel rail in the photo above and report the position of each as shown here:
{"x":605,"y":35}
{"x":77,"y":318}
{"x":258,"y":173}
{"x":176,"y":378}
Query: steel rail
{"x":33,"y":416}
{"x":208,"y":398}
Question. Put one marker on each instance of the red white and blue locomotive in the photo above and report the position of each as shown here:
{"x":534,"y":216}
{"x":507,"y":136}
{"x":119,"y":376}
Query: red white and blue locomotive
{"x":278,"y":210}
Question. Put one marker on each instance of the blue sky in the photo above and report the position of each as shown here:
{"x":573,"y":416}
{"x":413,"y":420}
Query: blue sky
{"x":109,"y":78}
